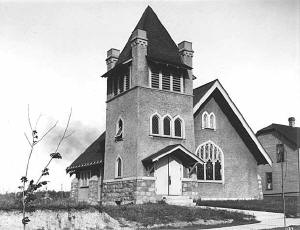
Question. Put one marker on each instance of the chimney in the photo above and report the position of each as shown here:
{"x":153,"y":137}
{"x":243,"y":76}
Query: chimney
{"x":112,"y":58}
{"x":292,"y":121}
{"x":186,"y":52}
{"x":139,"y":68}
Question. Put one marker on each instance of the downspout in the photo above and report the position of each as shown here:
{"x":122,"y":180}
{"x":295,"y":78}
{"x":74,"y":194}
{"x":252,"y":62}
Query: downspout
{"x":299,"y":171}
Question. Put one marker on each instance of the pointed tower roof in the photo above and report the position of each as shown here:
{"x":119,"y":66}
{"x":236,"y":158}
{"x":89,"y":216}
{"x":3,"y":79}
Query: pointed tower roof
{"x":161,"y":46}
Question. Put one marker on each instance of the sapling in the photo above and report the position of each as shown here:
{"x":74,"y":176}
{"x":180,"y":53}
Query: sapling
{"x":29,"y":188}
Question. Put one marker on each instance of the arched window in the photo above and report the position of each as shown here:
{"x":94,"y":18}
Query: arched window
{"x":119,"y":130}
{"x":118,"y":169}
{"x":212,"y":121}
{"x":178,"y":127}
{"x":155,"y":124}
{"x":213,"y":168}
{"x":208,"y":120}
{"x":167,"y":126}
{"x":205,"y":120}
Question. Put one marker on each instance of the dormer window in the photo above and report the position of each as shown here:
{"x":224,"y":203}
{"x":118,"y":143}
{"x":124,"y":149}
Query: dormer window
{"x":119,"y":130}
{"x":208,"y":120}
{"x":165,"y":78}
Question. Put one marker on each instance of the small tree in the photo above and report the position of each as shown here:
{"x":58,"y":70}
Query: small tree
{"x":29,"y":188}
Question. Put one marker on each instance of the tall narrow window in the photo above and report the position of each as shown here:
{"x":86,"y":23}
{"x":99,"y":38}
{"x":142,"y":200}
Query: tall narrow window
{"x":118,"y":168}
{"x":119,"y":134}
{"x":167,"y":126}
{"x":269,"y":181}
{"x":209,"y":170}
{"x":126,"y":82}
{"x":121,"y":84}
{"x":84,"y":178}
{"x":178,"y":127}
{"x":166,"y":82}
{"x":205,"y":120}
{"x":213,"y":167}
{"x":212,"y":121}
{"x":218,"y":170}
{"x":155,"y":124}
{"x":177,"y":83}
{"x":115,"y":85}
{"x":155,"y":78}
{"x":200,"y":172}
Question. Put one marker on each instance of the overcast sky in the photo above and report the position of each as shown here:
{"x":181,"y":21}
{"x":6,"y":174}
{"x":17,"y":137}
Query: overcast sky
{"x":52,"y":54}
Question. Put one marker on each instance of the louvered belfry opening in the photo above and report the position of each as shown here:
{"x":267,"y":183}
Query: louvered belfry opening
{"x":166,"y":77}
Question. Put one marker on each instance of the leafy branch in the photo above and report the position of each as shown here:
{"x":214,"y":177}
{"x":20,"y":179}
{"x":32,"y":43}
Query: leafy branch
{"x":28,"y":193}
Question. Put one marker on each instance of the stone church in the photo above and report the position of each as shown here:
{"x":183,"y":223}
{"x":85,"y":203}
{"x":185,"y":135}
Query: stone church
{"x":164,"y":139}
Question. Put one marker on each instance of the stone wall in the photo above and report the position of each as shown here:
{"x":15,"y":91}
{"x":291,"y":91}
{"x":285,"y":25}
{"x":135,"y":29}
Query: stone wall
{"x":134,"y":191}
{"x":189,"y":188}
{"x":93,"y":190}
{"x":145,"y":191}
{"x":74,"y":189}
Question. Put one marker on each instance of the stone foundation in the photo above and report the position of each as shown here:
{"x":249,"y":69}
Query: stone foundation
{"x":74,"y":189}
{"x":190,"y":188}
{"x":91,"y":192}
{"x":126,"y":191}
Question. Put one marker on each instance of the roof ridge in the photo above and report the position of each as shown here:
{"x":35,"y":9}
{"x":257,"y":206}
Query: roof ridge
{"x":213,"y":81}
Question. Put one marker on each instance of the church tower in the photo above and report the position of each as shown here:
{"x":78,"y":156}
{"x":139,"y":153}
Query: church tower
{"x":149,"y":141}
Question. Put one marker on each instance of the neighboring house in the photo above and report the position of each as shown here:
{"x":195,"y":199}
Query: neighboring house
{"x":163,"y":138}
{"x":272,"y":137}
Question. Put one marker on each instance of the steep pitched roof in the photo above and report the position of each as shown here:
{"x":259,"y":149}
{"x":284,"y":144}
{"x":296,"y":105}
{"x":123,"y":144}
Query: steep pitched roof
{"x":93,"y":155}
{"x":292,"y":134}
{"x":201,"y":91}
{"x":214,"y":89}
{"x":160,"y":44}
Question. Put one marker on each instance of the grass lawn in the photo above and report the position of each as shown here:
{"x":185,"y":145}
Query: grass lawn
{"x":144,"y":215}
{"x":269,"y":204}
{"x":156,"y":214}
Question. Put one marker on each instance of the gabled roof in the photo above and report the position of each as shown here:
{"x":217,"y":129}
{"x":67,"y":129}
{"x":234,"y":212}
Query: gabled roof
{"x":292,"y":134}
{"x":177,"y":150}
{"x":93,"y":155}
{"x":201,"y":91}
{"x":214,"y":89}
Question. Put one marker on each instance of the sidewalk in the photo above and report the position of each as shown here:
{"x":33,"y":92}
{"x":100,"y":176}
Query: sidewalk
{"x":266,"y":220}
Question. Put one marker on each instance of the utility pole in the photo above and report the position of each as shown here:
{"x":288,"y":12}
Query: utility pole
{"x":280,"y":159}
{"x":282,"y":186}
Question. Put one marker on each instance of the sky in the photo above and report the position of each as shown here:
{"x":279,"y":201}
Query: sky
{"x":52,"y":54}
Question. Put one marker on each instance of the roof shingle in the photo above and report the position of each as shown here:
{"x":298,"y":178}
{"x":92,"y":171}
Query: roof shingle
{"x":292,"y":134}
{"x":93,"y":155}
{"x":160,"y":44}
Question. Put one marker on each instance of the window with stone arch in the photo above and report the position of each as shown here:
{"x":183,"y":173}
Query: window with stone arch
{"x":178,"y":127}
{"x":167,"y":127}
{"x":155,"y":124}
{"x":118,"y":167}
{"x":213,"y":168}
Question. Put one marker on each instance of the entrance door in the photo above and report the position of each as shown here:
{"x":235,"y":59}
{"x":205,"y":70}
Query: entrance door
{"x":175,"y":177}
{"x":168,"y":173}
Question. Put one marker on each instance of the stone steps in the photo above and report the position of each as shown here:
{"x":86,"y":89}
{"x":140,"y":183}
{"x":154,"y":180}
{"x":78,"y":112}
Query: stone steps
{"x":179,"y":200}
